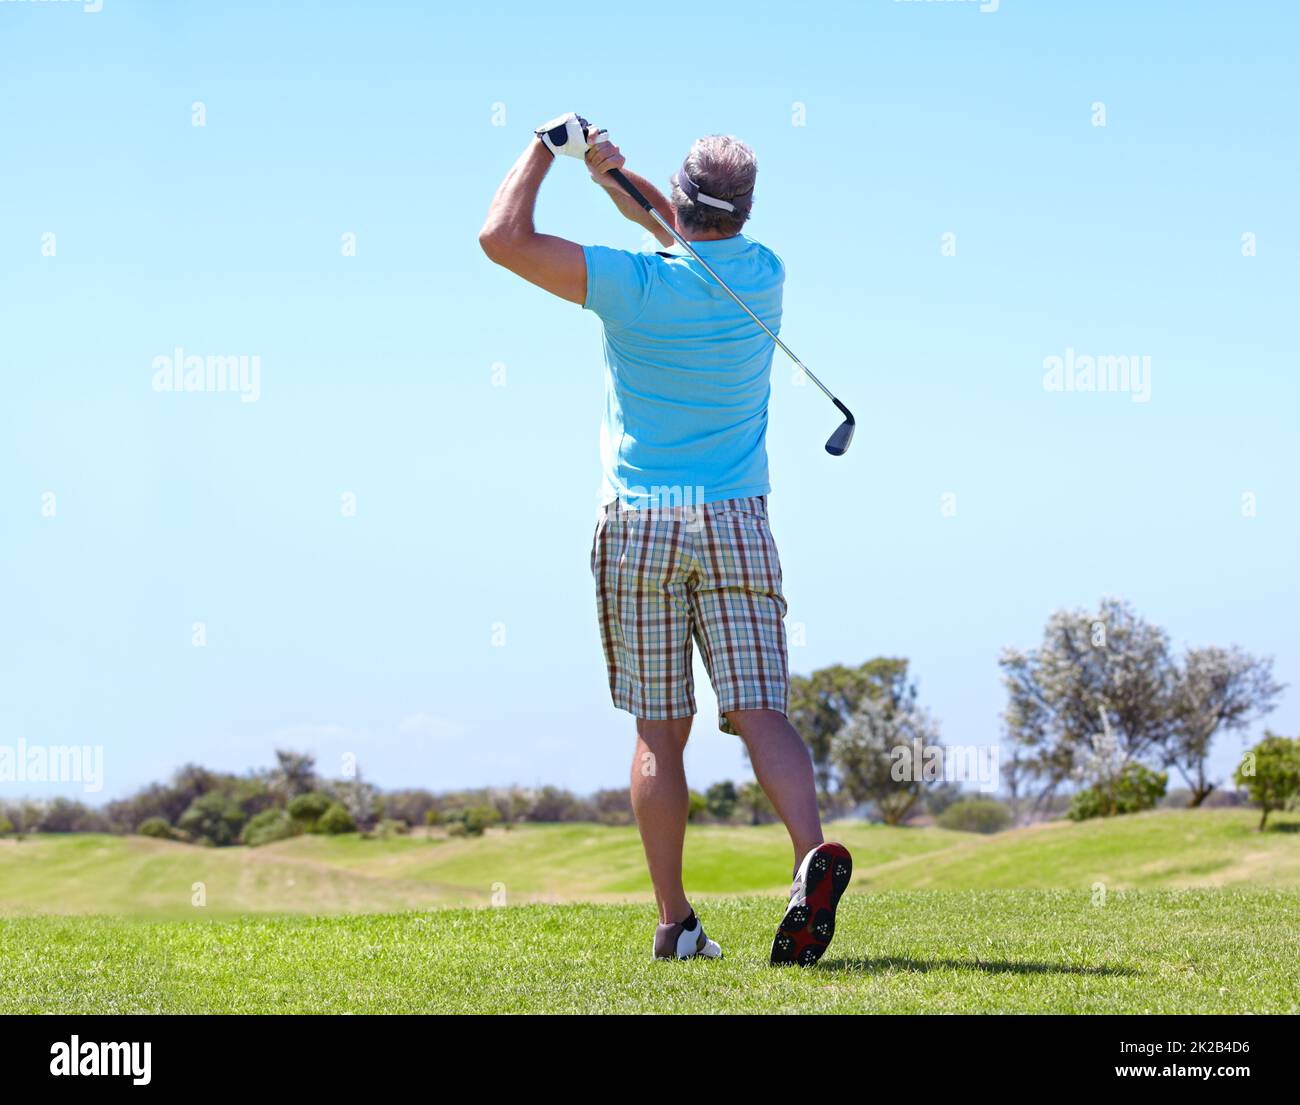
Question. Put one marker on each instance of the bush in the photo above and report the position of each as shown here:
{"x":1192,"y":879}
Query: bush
{"x":389,"y":827}
{"x":613,"y":807}
{"x":214,"y":818}
{"x":940,"y":796}
{"x":307,"y":810}
{"x":479,"y":818}
{"x":268,"y":827}
{"x":697,"y":807}
{"x":336,"y":820}
{"x":158,"y":828}
{"x":1134,"y":789}
{"x":976,"y":815}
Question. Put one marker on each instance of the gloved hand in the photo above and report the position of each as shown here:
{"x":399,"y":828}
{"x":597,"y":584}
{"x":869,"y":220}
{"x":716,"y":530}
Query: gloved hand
{"x":568,"y":135}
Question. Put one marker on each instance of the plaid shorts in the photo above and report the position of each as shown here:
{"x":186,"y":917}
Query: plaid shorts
{"x":668,"y":576}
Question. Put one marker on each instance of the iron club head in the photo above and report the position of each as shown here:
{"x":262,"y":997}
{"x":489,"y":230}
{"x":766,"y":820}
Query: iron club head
{"x":837,"y":444}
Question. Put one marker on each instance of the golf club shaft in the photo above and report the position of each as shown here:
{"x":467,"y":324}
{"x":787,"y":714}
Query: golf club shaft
{"x":635,"y":193}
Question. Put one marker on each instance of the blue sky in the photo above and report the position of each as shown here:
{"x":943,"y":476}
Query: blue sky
{"x":379,"y":634}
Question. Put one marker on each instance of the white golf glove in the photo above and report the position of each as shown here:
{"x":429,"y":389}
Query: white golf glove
{"x":568,"y":135}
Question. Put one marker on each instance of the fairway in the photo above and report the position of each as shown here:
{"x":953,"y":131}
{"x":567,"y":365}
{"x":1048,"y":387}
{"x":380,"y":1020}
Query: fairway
{"x":528,"y":864}
{"x":1182,"y":911}
{"x":947,"y":952}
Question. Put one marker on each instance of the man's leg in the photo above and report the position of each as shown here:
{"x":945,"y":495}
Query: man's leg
{"x":660,"y":801}
{"x":784,"y":771}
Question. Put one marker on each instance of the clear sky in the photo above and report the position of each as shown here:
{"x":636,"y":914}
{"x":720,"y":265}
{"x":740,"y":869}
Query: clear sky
{"x":880,"y":127}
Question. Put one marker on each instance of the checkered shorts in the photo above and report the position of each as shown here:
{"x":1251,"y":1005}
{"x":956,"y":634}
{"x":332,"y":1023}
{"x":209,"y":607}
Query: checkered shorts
{"x":672,"y":575}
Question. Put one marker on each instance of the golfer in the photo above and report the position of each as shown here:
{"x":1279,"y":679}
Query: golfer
{"x":682,"y":551}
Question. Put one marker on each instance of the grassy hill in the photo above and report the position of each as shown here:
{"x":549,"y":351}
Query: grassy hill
{"x":563,"y":863}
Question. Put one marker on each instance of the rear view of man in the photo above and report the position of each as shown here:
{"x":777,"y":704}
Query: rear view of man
{"x":683,"y":553}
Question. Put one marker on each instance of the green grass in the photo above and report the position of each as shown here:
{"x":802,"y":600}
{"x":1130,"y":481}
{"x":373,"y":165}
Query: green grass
{"x":1230,"y":951}
{"x":563,"y":863}
{"x":1200,"y":913}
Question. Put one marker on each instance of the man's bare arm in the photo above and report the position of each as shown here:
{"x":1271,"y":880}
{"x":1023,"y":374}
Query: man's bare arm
{"x":509,"y":238}
{"x":605,"y":156}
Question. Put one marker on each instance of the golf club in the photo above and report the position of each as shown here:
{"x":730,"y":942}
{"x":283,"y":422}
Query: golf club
{"x":839,"y":441}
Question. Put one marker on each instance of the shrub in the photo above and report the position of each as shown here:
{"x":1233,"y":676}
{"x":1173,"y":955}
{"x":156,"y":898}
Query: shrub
{"x":479,"y":818}
{"x":158,"y":828}
{"x":976,"y":815}
{"x":1270,"y":772}
{"x":336,"y":820}
{"x":614,"y":806}
{"x":698,"y":806}
{"x":1134,"y":789}
{"x":388,"y":827}
{"x":307,"y":810}
{"x":214,"y":818}
{"x":268,"y":827}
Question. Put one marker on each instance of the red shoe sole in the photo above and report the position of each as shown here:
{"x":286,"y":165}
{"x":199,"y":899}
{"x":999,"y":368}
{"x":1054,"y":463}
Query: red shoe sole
{"x":806,"y":931}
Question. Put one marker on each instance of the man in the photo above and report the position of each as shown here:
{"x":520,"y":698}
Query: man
{"x":682,"y":550}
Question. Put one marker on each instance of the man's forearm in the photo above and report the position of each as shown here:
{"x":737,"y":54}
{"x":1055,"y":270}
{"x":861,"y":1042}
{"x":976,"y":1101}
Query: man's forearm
{"x":633,"y":210}
{"x":511,"y":212}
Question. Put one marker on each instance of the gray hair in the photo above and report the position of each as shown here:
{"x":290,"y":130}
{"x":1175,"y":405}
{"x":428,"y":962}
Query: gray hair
{"x":723,"y":167}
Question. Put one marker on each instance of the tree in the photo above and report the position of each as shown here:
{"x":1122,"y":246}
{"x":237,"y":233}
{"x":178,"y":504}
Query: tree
{"x":754,"y":801}
{"x":1270,"y":772}
{"x":888,"y":754}
{"x":1110,"y":661}
{"x":294,"y":773}
{"x":822,"y":703}
{"x":359,"y":798}
{"x":1217,"y":689}
{"x":721,"y":799}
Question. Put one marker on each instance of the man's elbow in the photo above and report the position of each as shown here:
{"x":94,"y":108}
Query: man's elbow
{"x":498,"y":244}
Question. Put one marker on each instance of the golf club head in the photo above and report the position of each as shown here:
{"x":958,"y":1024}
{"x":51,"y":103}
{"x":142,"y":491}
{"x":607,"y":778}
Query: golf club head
{"x":838,"y":443}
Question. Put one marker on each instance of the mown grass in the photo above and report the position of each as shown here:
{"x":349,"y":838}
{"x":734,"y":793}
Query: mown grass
{"x":560,"y":863}
{"x":1227,"y":951}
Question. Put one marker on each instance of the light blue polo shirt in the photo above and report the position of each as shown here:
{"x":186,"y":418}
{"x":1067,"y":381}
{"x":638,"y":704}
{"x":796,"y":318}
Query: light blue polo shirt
{"x":687,"y":372}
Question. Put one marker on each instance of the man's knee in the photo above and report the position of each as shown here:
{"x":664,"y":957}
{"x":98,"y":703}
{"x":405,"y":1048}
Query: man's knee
{"x":666,"y":736}
{"x":756,"y":723}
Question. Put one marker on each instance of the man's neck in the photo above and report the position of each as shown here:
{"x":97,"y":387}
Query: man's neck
{"x":708,"y":236}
